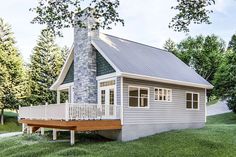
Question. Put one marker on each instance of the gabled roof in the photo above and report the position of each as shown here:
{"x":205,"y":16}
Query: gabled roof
{"x":132,"y":59}
{"x":140,"y":61}
{"x":64,"y":70}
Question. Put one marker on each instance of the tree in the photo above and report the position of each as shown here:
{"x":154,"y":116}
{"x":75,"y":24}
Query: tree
{"x":45,"y":66}
{"x":12,"y":82}
{"x":232,"y":43}
{"x":203,"y":54}
{"x":225,"y":77}
{"x":65,"y":51}
{"x":170,"y":46}
{"x":58,"y":14}
{"x":190,"y":11}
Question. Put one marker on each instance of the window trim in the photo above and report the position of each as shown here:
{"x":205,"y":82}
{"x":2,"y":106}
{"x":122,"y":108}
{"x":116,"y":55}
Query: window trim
{"x":198,"y":104}
{"x":158,"y":94}
{"x":145,"y":87}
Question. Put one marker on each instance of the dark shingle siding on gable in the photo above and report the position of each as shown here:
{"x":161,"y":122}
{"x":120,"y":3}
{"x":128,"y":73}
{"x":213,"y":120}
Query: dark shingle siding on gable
{"x":70,"y":75}
{"x":103,"y":67}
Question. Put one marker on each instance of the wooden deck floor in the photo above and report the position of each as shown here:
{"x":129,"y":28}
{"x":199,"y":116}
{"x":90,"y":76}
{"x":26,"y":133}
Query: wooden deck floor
{"x":80,"y":125}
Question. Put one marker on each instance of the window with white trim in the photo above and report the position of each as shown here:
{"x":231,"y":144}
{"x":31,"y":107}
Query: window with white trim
{"x":138,"y":97}
{"x":163,"y":94}
{"x":192,"y":100}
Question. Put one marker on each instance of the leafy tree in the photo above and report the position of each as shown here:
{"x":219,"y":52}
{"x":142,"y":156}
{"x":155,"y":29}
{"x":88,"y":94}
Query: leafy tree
{"x":45,"y":66}
{"x":12,"y":73}
{"x":203,"y":54}
{"x":58,"y":14}
{"x":225,"y":77}
{"x":170,"y":46}
{"x":190,"y":11}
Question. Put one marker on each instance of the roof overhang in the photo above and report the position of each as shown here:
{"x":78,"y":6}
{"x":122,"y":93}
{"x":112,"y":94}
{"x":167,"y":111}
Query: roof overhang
{"x":64,"y":70}
{"x":163,"y":80}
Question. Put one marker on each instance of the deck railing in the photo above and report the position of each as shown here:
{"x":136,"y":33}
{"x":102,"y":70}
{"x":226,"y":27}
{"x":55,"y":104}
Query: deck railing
{"x":70,"y":111}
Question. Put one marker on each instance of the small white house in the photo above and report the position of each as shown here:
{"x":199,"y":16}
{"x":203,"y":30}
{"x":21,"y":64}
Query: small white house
{"x":122,"y":89}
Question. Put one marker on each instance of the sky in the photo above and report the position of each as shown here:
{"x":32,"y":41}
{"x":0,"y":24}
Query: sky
{"x":145,"y":21}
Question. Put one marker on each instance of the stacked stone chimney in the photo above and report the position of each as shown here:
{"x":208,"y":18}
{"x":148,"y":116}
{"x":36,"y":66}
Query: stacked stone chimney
{"x":85,"y":84}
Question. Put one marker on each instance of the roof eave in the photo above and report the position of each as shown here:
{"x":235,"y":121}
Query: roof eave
{"x":163,"y":80}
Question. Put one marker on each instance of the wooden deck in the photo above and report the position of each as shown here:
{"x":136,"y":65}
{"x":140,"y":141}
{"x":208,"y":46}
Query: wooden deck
{"x":80,"y":125}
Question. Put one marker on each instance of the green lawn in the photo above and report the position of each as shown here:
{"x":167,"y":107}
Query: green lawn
{"x":217,"y":139}
{"x":11,"y":123}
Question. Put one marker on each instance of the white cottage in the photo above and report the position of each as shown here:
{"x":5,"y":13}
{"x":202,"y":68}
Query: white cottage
{"x":122,"y":89}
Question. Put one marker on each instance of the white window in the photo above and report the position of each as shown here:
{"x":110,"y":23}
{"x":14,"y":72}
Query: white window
{"x":163,"y":94}
{"x":192,"y":100}
{"x":138,"y":97}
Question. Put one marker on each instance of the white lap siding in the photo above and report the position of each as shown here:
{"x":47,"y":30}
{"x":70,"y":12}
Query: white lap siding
{"x":163,"y":112}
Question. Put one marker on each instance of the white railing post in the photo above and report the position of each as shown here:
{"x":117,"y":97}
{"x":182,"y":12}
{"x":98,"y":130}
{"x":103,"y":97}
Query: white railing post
{"x":67,"y":108}
{"x":19,"y":113}
{"x":45,"y":111}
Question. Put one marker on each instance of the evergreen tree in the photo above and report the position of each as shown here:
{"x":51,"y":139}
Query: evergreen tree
{"x":45,"y":66}
{"x":170,"y":46}
{"x":65,"y":51}
{"x":12,"y":82}
{"x":232,"y":43}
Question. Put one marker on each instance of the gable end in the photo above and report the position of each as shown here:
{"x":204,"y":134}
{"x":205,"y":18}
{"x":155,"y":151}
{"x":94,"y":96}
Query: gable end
{"x":103,"y":67}
{"x":69,"y":75}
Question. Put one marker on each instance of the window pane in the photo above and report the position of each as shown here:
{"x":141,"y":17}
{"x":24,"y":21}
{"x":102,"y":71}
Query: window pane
{"x":156,"y":91}
{"x":195,"y":105}
{"x":103,"y":93}
{"x":165,"y":94}
{"x":160,"y":94}
{"x":189,"y":96}
{"x":195,"y":97}
{"x":111,"y":96}
{"x":133,"y":91}
{"x":143,"y":102}
{"x":143,"y":92}
{"x":133,"y":102}
{"x":188,"y":104}
{"x":107,"y":83}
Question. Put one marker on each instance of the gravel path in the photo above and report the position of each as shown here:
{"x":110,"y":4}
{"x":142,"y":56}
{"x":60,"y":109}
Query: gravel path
{"x":218,"y":108}
{"x":10,"y":134}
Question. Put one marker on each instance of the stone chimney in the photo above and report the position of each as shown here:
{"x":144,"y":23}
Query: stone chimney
{"x":85,"y":84}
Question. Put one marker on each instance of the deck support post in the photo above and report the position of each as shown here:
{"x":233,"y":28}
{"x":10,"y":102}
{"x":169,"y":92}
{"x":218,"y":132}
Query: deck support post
{"x":54,"y":134}
{"x":72,"y":137}
{"x":23,"y":127}
{"x":42,"y":131}
{"x":29,"y":129}
{"x":58,"y":97}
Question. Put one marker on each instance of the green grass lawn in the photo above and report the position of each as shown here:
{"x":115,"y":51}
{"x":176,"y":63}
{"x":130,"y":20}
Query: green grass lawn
{"x":217,"y":139}
{"x":11,"y":123}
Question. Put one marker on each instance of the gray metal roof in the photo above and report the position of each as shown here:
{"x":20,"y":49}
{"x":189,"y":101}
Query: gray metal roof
{"x":140,"y":59}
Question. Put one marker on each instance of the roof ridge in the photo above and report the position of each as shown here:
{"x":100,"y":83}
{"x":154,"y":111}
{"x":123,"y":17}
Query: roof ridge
{"x":137,"y":42}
